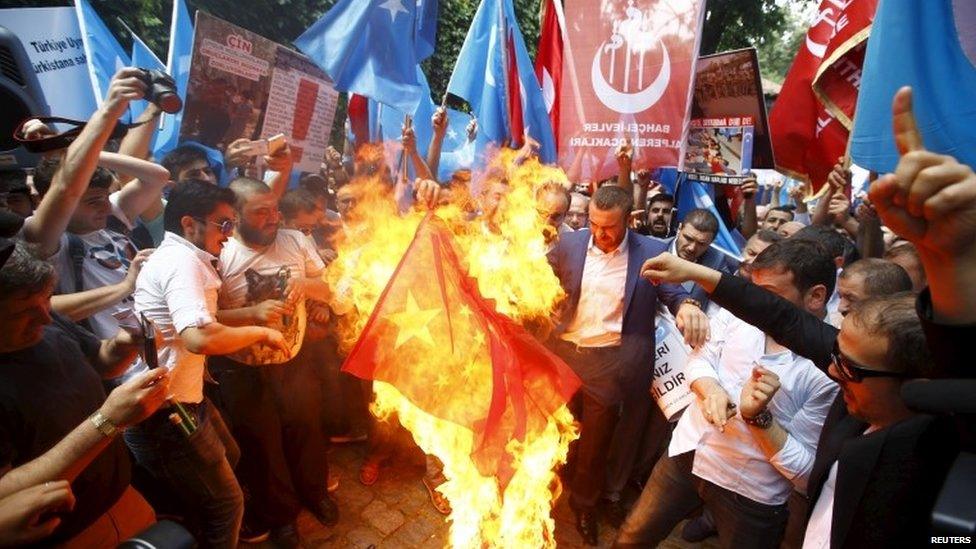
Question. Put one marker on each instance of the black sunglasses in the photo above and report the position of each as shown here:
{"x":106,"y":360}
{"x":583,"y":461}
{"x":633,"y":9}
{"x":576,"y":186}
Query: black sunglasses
{"x":853,"y":372}
{"x":226,"y":226}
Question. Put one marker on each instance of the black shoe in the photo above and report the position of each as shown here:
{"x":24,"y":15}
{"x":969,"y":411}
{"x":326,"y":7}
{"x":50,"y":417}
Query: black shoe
{"x":326,"y":512}
{"x":286,"y":536}
{"x":615,"y":513}
{"x":698,"y":529}
{"x":586,"y":525}
{"x":252,"y":534}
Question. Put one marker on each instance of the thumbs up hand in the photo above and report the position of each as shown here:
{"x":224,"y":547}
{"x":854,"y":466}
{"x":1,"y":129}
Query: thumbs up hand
{"x":930,"y":199}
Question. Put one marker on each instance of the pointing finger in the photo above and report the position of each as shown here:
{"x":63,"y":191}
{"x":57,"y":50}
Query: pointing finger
{"x":907,"y":136}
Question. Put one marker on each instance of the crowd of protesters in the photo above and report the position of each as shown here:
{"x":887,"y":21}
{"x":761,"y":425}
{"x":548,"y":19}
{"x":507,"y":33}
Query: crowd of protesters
{"x":797,"y":433}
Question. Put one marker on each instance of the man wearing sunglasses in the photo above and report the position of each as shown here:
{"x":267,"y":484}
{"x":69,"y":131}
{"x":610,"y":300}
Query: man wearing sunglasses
{"x":870,"y":485}
{"x":177,"y":291}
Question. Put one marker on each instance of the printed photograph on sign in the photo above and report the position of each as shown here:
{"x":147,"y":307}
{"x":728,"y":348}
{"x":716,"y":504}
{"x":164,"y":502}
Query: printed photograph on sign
{"x":729,"y":132}
{"x":719,"y":150}
{"x":229,"y":79}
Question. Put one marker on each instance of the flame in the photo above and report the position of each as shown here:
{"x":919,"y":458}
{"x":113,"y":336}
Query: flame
{"x":507,"y":256}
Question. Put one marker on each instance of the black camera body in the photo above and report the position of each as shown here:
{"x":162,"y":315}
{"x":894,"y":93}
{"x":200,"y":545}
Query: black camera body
{"x":161,"y":90}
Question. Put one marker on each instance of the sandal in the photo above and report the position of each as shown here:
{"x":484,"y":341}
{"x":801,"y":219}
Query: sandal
{"x":369,"y":473}
{"x":441,"y":504}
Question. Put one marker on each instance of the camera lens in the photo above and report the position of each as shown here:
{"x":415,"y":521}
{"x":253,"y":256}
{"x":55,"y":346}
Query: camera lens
{"x":169,"y":102}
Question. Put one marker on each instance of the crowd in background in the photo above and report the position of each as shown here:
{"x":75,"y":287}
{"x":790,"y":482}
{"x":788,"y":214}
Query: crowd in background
{"x":798,"y":433}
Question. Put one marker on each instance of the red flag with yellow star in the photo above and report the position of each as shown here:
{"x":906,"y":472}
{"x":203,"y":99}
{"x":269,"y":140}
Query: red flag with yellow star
{"x":444,"y":347}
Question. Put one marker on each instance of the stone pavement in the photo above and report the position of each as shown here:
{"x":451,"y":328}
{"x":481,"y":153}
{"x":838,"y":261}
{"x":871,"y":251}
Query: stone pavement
{"x":396,"y":512}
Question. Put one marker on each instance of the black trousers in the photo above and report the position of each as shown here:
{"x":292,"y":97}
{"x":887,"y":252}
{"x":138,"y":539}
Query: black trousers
{"x":597,"y":417}
{"x":275,"y":413}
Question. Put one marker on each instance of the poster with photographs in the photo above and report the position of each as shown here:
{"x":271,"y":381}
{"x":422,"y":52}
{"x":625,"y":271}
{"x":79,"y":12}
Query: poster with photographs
{"x":729,"y":132}
{"x":244,"y":86}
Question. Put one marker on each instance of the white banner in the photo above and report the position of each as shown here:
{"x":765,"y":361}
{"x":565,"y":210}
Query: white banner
{"x":52,"y":40}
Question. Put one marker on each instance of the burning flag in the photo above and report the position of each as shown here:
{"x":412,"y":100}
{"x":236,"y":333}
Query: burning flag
{"x":444,"y":347}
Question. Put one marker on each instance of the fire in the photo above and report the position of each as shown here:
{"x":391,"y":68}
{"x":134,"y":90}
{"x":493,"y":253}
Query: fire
{"x":507,"y":257}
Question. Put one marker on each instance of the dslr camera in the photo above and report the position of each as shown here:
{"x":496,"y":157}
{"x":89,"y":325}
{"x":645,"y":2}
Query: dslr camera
{"x":161,"y":90}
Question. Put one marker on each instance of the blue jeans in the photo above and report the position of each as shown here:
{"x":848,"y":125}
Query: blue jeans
{"x":673,"y":492}
{"x":196,"y":468}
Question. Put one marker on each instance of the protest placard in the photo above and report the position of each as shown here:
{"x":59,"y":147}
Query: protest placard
{"x":728,"y":133}
{"x":243,"y":85}
{"x":670,"y":388}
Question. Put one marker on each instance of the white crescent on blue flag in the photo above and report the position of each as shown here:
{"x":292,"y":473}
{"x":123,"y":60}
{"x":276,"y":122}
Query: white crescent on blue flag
{"x":142,"y":57}
{"x":178,"y":66}
{"x":486,"y":77}
{"x":370,"y":47}
{"x":930,"y":46}
{"x":105,"y":55}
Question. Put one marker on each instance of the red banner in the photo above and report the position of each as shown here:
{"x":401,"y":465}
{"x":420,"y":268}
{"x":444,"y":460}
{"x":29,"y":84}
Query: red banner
{"x":549,"y":61}
{"x":630,"y":68}
{"x":808,"y":137}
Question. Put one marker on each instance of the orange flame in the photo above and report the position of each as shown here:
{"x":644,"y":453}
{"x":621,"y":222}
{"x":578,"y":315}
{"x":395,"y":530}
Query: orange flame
{"x":507,"y":255}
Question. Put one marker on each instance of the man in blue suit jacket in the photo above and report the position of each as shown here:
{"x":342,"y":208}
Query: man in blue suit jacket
{"x":694,"y":243}
{"x":606,"y":332}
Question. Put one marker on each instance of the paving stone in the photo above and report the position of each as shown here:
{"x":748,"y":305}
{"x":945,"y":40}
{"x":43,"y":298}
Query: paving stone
{"x":381,"y":517}
{"x":363,"y":537}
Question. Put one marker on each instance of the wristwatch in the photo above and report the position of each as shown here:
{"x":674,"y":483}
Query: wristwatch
{"x":693,"y":301}
{"x":103,"y":424}
{"x":763,"y":420}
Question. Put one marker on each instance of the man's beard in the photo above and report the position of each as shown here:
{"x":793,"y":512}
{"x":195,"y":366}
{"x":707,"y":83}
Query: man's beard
{"x":254,"y":235}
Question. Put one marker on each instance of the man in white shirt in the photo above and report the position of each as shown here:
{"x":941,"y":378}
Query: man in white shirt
{"x":177,"y":291}
{"x":273,"y":397}
{"x":741,"y":461}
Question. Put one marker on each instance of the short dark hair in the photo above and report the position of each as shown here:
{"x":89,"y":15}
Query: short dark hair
{"x":703,"y":220}
{"x":244,"y":187}
{"x":835,"y":243}
{"x":296,"y":201}
{"x":787,"y":209}
{"x":14,"y":180}
{"x":24,"y":271}
{"x":895,"y":318}
{"x":176,"y":159}
{"x":880,"y":277}
{"x":768,"y":236}
{"x":807,"y":260}
{"x":904,"y":248}
{"x":660,"y":197}
{"x":196,"y":199}
{"x":47,"y":167}
{"x":609,"y":197}
{"x":552,"y":187}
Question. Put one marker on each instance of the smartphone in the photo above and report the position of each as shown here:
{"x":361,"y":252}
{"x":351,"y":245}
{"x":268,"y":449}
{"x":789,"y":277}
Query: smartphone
{"x":258,"y":147}
{"x":149,"y":352}
{"x":276,"y":144}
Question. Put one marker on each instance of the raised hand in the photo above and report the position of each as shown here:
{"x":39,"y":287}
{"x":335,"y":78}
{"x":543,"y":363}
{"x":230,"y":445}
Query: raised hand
{"x":126,"y":86}
{"x":758,"y":392}
{"x":930,"y":200}
{"x":439,"y":121}
{"x":749,"y":187}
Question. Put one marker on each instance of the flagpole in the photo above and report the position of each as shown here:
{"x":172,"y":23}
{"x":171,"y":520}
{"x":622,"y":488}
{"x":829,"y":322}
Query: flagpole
{"x":502,"y":43}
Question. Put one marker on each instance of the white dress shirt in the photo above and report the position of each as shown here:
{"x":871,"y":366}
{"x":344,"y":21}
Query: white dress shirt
{"x":600,"y":311}
{"x":821,"y":519}
{"x":733,"y":459}
{"x":177,"y":289}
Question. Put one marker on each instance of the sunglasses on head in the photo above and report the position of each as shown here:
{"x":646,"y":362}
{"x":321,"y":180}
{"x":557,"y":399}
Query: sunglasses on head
{"x":851,"y":371}
{"x":226,"y":226}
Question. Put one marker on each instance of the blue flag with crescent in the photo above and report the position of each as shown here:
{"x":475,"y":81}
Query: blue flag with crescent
{"x":494,"y":74}
{"x":930,"y":46}
{"x":105,"y":55}
{"x":370,"y":47}
{"x":178,"y":66}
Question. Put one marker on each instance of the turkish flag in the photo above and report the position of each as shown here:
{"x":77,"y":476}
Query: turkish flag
{"x":516,"y":120}
{"x":358,"y":111}
{"x":808,"y":137}
{"x":444,"y":347}
{"x":630,"y":69}
{"x":549,"y":61}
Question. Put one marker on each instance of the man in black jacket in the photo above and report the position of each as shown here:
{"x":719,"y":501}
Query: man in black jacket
{"x":887,"y":478}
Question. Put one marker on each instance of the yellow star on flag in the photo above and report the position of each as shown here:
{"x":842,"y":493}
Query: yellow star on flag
{"x":412,"y":322}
